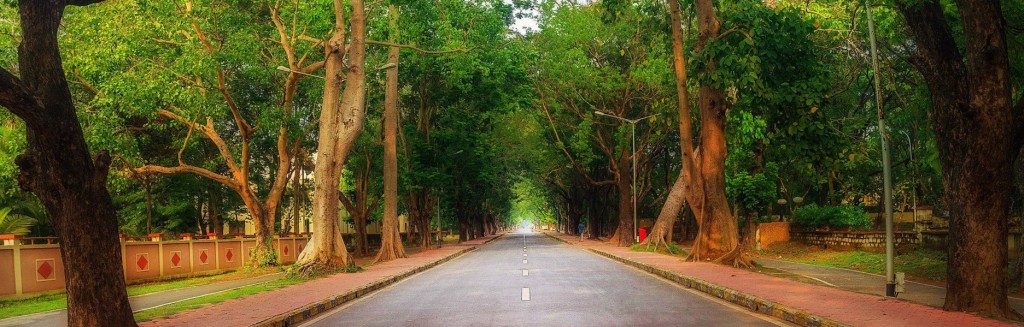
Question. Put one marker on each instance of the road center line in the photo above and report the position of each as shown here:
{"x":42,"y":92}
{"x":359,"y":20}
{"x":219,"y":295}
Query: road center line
{"x":524,"y":260}
{"x":526,"y":272}
{"x":526,"y":293}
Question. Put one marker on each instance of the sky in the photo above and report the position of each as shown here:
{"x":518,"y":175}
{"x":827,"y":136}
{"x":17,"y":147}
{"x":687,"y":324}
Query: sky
{"x":526,"y":23}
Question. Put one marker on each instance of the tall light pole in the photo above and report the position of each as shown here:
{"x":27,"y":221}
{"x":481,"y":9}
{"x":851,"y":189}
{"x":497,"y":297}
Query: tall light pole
{"x":288,"y":70}
{"x":913,"y":176}
{"x":632,"y":123}
{"x":890,"y":276}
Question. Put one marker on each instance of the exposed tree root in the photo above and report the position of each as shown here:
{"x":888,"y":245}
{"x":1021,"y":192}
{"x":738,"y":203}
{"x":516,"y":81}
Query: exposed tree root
{"x":658,"y":238}
{"x":390,"y":251}
{"x":736,"y":258}
{"x":318,"y":258}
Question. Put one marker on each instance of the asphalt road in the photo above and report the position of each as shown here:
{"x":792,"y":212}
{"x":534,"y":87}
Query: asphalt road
{"x":565,"y":286}
{"x":58,"y":318}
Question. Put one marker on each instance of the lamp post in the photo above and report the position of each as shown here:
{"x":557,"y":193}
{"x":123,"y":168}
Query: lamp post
{"x":782,"y":202}
{"x":890,"y":276}
{"x":632,"y":123}
{"x":913,"y":176}
{"x":288,"y":70}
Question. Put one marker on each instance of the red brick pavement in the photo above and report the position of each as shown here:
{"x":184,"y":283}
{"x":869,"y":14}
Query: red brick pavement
{"x":848,"y":307}
{"x":262,"y":306}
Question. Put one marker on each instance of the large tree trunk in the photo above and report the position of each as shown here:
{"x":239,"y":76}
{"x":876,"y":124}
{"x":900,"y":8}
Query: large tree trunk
{"x":58,"y":168}
{"x":340,"y":125}
{"x":661,"y":233}
{"x":718,"y":234}
{"x":361,"y":244}
{"x":391,"y":241}
{"x":978,"y":136}
{"x":263,"y":254}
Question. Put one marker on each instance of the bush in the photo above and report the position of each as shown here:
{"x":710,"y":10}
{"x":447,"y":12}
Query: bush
{"x":813,"y":216}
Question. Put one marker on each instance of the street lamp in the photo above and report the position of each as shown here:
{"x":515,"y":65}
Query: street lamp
{"x":632,"y":123}
{"x":913,"y":176}
{"x":288,"y":70}
{"x":782,"y":202}
{"x":891,"y":281}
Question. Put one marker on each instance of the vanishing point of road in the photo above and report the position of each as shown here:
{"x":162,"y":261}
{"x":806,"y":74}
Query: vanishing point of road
{"x":528,"y":279}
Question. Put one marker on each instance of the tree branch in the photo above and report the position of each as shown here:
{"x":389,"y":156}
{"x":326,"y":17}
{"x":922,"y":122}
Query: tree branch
{"x":19,"y":99}
{"x":211,"y":134}
{"x":414,"y":48}
{"x":188,"y":169}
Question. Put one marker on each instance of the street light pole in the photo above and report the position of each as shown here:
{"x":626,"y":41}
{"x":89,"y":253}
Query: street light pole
{"x":636,"y":238}
{"x":913,"y":177}
{"x":632,"y":122}
{"x":890,"y":277}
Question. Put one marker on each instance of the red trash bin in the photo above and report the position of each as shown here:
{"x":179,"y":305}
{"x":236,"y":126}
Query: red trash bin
{"x":643,"y":234}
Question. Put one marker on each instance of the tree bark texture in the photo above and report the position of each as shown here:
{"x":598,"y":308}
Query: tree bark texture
{"x":340,"y":125}
{"x":391,"y":241}
{"x":58,"y":167}
{"x":661,"y":233}
{"x":978,"y":133}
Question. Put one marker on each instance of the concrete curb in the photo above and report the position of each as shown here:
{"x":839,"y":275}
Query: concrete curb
{"x":557,"y":238}
{"x":297,"y":316}
{"x":748,"y":301}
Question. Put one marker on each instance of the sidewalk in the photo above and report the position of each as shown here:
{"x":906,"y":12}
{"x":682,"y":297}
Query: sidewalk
{"x":143,"y":301}
{"x":872,"y":284}
{"x":298,"y":302}
{"x":800,"y":303}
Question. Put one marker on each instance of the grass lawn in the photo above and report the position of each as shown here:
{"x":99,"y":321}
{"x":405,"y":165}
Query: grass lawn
{"x":672,"y":250}
{"x":919,"y":264}
{"x":199,"y":302}
{"x":55,"y":301}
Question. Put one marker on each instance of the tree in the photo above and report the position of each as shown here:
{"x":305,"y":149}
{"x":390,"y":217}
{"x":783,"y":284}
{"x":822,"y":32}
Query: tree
{"x":58,"y":167}
{"x":340,"y":125}
{"x":263,"y":211}
{"x":661,"y":232}
{"x":361,"y":204}
{"x":978,"y":130}
{"x":594,"y":59}
{"x":391,"y":242}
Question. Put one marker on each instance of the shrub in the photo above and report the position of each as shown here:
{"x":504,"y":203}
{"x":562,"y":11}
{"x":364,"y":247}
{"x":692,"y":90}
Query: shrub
{"x":813,"y":216}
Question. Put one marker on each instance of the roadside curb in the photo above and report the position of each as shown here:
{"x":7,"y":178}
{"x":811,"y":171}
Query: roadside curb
{"x":557,"y":238}
{"x":748,"y":301}
{"x":296,"y":317}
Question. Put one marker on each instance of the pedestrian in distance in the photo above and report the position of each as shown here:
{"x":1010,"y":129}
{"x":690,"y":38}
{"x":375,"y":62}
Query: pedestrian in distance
{"x":580,"y":228}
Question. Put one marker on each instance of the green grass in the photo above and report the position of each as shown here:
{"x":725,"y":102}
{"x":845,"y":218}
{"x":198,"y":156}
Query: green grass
{"x":54,"y":301}
{"x":42,"y":303}
{"x":671,"y":249}
{"x":174,"y":284}
{"x":199,"y":302}
{"x":919,"y":264}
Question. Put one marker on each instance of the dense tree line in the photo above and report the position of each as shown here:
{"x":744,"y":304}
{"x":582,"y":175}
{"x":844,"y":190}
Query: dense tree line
{"x":181,"y":116}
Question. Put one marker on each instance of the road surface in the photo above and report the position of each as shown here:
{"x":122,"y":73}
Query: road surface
{"x":526,"y":279}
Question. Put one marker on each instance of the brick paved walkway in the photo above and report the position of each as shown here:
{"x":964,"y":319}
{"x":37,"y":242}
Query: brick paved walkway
{"x":259,"y":307}
{"x":852,"y":308}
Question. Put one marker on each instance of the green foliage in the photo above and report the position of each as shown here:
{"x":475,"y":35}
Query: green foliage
{"x":812,"y":216}
{"x":12,"y":223}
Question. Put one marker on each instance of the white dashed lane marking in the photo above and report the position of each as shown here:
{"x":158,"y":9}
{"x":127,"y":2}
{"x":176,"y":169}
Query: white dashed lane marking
{"x":526,"y":293}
